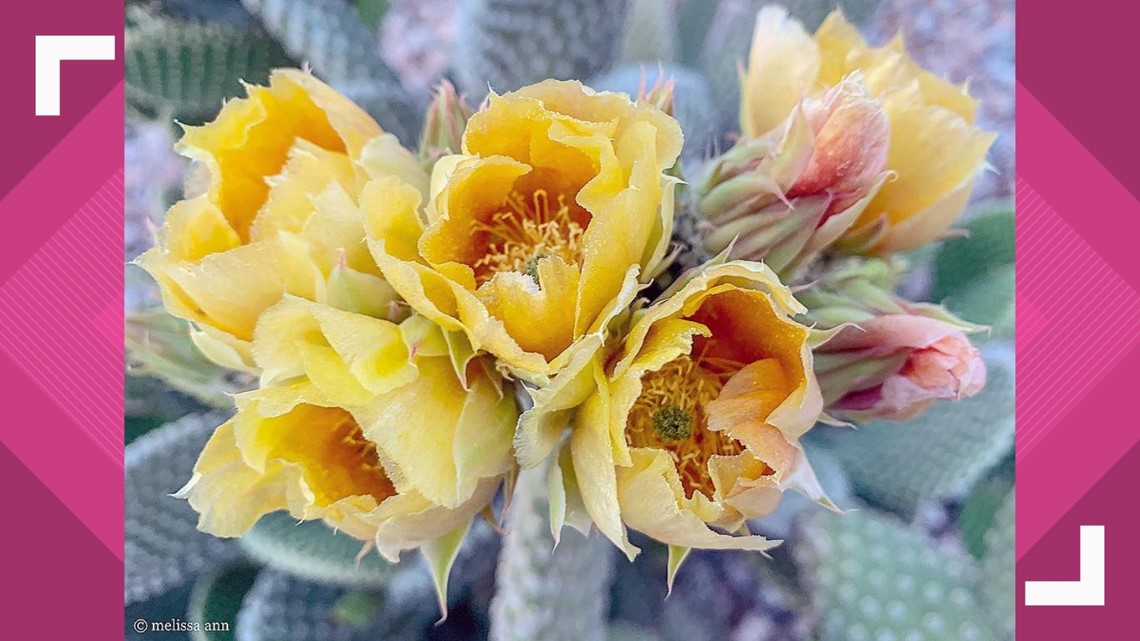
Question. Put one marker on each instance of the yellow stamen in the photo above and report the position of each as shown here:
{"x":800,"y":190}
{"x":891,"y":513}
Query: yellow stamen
{"x":524,"y":233}
{"x":670,"y":415}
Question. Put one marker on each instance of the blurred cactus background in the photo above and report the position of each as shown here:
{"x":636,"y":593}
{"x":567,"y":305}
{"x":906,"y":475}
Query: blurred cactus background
{"x":926,"y":550}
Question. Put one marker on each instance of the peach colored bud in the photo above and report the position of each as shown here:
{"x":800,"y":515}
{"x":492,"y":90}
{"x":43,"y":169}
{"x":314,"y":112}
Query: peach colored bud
{"x":896,"y":366}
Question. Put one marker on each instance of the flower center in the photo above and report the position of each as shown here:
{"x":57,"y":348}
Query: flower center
{"x":670,"y":415}
{"x":346,"y":463}
{"x":527,"y":231}
{"x":671,"y":423}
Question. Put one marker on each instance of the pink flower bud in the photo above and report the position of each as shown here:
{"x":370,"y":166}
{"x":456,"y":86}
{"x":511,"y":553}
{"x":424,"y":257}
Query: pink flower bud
{"x":896,"y":366}
{"x":788,"y":195}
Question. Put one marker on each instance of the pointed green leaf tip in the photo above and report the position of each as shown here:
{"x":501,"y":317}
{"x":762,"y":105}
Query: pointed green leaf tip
{"x":677,"y":556}
{"x":440,"y":555}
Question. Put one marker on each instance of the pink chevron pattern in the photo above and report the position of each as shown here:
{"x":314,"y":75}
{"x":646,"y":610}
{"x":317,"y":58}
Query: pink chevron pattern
{"x":37,"y":307}
{"x":1078,"y":461}
{"x":61,"y":349}
{"x":1059,"y":270}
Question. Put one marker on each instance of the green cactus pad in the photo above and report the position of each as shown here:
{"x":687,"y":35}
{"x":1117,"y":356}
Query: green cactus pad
{"x":281,"y":607}
{"x":543,"y":592}
{"x":988,"y":244}
{"x":650,"y":32}
{"x":938,"y":455}
{"x":326,"y":34}
{"x":329,"y":36}
{"x":979,"y":511}
{"x":507,"y":44}
{"x":314,"y":551}
{"x":988,"y":300}
{"x":185,"y":70}
{"x":216,"y":599}
{"x":627,"y":632}
{"x":869,"y":577}
{"x":998,"y":583}
{"x":159,"y":345}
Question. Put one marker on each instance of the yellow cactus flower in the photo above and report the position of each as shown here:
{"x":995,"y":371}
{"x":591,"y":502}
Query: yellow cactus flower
{"x":936,"y":151}
{"x":439,"y":416}
{"x":694,"y":422}
{"x":378,"y":428}
{"x":288,"y":150}
{"x":280,"y":453}
{"x":541,"y":231}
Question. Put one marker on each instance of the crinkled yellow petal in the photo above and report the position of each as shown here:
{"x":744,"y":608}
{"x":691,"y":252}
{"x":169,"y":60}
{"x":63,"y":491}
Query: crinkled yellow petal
{"x":843,"y":51}
{"x":782,"y":69}
{"x":221,"y":472}
{"x":308,"y":171}
{"x":436,"y":438}
{"x":625,"y":201}
{"x":475,"y":191}
{"x":934,"y":152}
{"x":391,"y":208}
{"x":540,"y":428}
{"x":285,"y":166}
{"x":196,"y":228}
{"x":384,"y":156}
{"x":456,"y":307}
{"x":230,"y":289}
{"x":836,"y":39}
{"x":335,"y":233}
{"x":687,"y":295}
{"x":592,"y":454}
{"x":538,"y":316}
{"x":309,"y":460}
{"x":350,"y":357}
{"x":926,"y":224}
{"x":251,"y":137}
{"x":653,"y":501}
{"x":406,"y":521}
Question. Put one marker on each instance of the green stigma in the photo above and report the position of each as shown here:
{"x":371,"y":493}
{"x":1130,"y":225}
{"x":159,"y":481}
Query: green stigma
{"x":672,"y":423}
{"x":532,"y":266}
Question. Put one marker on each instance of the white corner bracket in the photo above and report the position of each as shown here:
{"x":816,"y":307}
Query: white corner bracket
{"x":51,"y":50}
{"x":1089,"y":590}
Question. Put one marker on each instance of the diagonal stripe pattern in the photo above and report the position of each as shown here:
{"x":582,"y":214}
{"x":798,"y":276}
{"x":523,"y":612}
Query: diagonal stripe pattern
{"x":48,"y":324}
